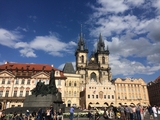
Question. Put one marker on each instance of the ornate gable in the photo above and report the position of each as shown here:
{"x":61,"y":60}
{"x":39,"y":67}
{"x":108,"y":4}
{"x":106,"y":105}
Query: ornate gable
{"x":40,"y":75}
{"x":6,"y":74}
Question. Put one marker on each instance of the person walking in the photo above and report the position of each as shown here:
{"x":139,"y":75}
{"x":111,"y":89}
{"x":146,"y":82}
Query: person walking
{"x":154,"y":112}
{"x":71,"y":113}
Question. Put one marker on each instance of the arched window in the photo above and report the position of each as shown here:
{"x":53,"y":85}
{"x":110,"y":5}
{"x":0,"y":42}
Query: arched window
{"x":75,"y":84}
{"x":93,"y":76}
{"x":82,"y":59}
{"x":103,"y":60}
{"x":74,"y":93}
{"x":69,"y":83}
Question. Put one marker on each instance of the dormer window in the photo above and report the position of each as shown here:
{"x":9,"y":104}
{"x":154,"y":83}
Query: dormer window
{"x":57,"y":73}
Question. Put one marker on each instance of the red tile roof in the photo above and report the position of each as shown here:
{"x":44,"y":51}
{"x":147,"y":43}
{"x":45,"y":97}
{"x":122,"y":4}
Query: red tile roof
{"x":28,"y":67}
{"x":157,"y":80}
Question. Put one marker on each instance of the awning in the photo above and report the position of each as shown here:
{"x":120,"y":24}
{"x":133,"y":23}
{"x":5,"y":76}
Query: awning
{"x":97,"y":105}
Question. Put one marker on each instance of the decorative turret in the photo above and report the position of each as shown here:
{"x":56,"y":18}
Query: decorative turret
{"x":101,"y":46}
{"x":81,"y":47}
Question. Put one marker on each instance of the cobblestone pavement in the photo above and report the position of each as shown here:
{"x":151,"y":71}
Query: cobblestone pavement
{"x":85,"y":118}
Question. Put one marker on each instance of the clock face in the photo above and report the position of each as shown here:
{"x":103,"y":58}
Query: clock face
{"x":92,"y":58}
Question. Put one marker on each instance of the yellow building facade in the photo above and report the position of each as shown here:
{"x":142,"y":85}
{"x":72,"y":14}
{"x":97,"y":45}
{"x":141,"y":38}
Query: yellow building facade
{"x":129,"y":91}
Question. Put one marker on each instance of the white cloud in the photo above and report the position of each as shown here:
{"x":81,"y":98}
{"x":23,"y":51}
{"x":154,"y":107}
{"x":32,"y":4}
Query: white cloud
{"x":9,"y":38}
{"x":135,"y":2}
{"x":156,"y":4}
{"x":27,"y":53}
{"x":107,"y":6}
{"x":50,"y":44}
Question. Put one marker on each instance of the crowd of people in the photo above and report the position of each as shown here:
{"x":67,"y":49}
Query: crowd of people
{"x":47,"y":114}
{"x":127,"y":112}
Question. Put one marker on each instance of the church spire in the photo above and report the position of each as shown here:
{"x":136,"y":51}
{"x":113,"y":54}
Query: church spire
{"x":101,"y":46}
{"x":81,"y":43}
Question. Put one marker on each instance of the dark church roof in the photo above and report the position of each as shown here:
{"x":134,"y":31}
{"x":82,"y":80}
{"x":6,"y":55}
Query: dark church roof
{"x":68,"y":68}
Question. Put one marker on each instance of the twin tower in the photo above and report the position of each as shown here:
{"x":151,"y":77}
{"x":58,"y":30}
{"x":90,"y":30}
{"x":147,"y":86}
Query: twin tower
{"x":96,"y":67}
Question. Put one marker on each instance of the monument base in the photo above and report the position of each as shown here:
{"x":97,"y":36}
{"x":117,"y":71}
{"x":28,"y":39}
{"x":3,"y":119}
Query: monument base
{"x":33,"y":103}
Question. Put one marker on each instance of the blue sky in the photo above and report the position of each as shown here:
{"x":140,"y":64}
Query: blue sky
{"x":39,"y":31}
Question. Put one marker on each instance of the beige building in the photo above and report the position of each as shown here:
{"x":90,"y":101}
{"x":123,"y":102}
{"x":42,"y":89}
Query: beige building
{"x":17,"y":80}
{"x":72,"y":86}
{"x":129,"y":91}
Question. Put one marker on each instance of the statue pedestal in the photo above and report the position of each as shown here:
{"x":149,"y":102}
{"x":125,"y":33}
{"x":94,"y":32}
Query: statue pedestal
{"x":44,"y":101}
{"x":39,"y":101}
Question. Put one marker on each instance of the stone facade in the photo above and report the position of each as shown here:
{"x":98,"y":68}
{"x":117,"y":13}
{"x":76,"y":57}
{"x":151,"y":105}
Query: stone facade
{"x":129,"y":91}
{"x":154,"y":91}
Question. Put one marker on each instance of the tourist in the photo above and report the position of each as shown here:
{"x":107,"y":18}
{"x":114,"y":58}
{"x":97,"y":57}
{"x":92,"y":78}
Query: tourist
{"x":27,"y":115}
{"x":71,"y":113}
{"x":48,"y":114}
{"x":34,"y":115}
{"x":154,"y":111}
{"x":97,"y":115}
{"x":39,"y":114}
{"x":150,"y":112}
{"x":122,"y":111}
{"x":131,"y":111}
{"x":51,"y":112}
{"x":138,"y":112}
{"x":55,"y":115}
{"x":90,"y":116}
{"x":105,"y":116}
{"x":127,"y":111}
{"x":59,"y":115}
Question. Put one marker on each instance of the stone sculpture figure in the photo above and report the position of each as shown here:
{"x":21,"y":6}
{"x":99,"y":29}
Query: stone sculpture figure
{"x":42,"y":89}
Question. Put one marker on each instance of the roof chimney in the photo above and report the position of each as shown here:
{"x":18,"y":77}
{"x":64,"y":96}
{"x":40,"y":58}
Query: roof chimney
{"x":6,"y":62}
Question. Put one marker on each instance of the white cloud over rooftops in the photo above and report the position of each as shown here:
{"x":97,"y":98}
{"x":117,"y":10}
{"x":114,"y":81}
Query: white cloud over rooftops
{"x":50,"y":44}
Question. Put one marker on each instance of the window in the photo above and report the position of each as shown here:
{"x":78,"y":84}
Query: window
{"x":9,"y":81}
{"x":97,"y":96}
{"x":3,"y":81}
{"x":15,"y":93}
{"x":16,"y":81}
{"x":27,"y":93}
{"x":88,"y":96}
{"x":1,"y":93}
{"x":93,"y":76}
{"x":13,"y":106}
{"x":82,"y":58}
{"x":19,"y":105}
{"x":104,"y":96}
{"x":59,"y":82}
{"x":28,"y":82}
{"x":74,"y":93}
{"x":47,"y":82}
{"x":69,"y":83}
{"x":75,"y":84}
{"x":108,"y":96}
{"x":69,"y":93}
{"x":112,"y":96}
{"x":22,"y":81}
{"x":57,"y":72}
{"x":21,"y":93}
{"x":103,"y":60}
{"x":7,"y":93}
{"x":92,"y":96}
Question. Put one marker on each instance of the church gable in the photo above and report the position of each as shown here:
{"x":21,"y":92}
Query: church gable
{"x":6,"y":74}
{"x":41,"y":75}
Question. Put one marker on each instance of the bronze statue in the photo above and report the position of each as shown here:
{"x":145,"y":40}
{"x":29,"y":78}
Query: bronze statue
{"x":42,"y":89}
